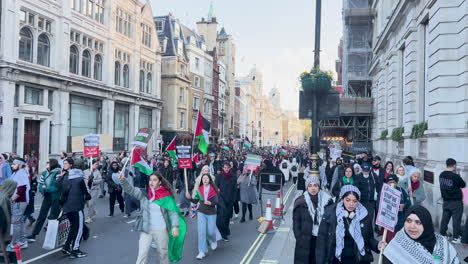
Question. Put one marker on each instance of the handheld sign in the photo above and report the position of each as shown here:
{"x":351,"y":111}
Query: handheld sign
{"x":91,"y":146}
{"x":253,"y":161}
{"x":142,"y":137}
{"x":387,"y":217}
{"x":184,"y":156}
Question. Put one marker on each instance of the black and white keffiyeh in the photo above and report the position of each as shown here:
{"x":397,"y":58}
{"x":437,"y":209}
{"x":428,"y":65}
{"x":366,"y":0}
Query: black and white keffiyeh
{"x":354,"y":228}
{"x":316,"y":214}
{"x":404,"y":250}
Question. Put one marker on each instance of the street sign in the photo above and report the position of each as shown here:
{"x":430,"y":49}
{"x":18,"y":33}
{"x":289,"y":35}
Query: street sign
{"x":184,"y":156}
{"x":91,"y":146}
{"x":387,"y":217}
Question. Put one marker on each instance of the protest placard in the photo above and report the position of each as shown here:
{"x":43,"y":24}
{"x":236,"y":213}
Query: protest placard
{"x":252,"y":161}
{"x":91,"y":146}
{"x":184,"y":156}
{"x":142,"y":137}
{"x":387,"y":217}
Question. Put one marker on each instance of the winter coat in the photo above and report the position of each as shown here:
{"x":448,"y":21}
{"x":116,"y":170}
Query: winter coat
{"x":419,"y":193}
{"x":74,"y":192}
{"x":248,"y":193}
{"x":112,"y":186}
{"x":228,"y":188}
{"x":325,"y":251}
{"x":303,"y":225}
{"x":95,"y":183}
{"x":167,"y":173}
{"x":142,"y":223}
{"x":8,"y":188}
{"x":48,"y":179}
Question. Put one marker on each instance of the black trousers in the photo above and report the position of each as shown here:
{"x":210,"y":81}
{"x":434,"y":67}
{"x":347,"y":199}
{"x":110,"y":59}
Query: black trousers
{"x":244,"y":209}
{"x":236,"y":207}
{"x":116,"y":195}
{"x":47,"y":205}
{"x":452,"y":209}
{"x":77,"y":229}
{"x":223,"y":217}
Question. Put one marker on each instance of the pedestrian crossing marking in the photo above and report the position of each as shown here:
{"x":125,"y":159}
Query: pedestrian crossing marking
{"x":265,"y":261}
{"x":283,"y":229}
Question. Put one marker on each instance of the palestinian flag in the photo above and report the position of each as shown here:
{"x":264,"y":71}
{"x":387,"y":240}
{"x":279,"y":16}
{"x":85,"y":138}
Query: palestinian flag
{"x":171,"y":150}
{"x":247,"y":144}
{"x":196,"y":158}
{"x":225,"y":147}
{"x":202,"y":132}
{"x":176,"y":244}
{"x":200,"y":192}
{"x":138,"y":161}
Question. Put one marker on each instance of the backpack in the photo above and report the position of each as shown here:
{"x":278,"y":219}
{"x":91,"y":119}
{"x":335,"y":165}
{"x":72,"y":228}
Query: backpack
{"x":294,"y":168}
{"x":284,"y":165}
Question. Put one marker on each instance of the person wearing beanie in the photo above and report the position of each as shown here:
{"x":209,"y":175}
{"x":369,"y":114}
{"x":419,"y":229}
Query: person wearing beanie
{"x":417,"y":242}
{"x":405,"y":204}
{"x":307,"y":215}
{"x":344,"y":233}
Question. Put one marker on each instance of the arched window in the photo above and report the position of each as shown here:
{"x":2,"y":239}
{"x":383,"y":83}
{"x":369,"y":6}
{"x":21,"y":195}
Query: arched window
{"x":74,"y":60}
{"x":142,"y":81}
{"x":149,"y":82}
{"x":26,"y":45}
{"x":43,"y":50}
{"x":98,"y":67}
{"x":126,"y":75}
{"x":117,"y":73}
{"x":86,"y":64}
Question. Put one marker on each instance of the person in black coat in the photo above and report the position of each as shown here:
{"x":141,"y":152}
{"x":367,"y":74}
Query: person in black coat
{"x":307,"y":215}
{"x":227,"y":184}
{"x":344,"y":236}
{"x":167,"y":171}
{"x":115,"y":190}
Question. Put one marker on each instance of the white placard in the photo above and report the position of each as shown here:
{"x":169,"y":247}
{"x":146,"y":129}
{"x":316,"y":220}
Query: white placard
{"x":387,"y":217}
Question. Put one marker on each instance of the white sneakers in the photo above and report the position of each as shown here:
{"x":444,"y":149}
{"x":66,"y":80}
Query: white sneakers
{"x":456,"y":241}
{"x":214,"y":245}
{"x":200,"y":255}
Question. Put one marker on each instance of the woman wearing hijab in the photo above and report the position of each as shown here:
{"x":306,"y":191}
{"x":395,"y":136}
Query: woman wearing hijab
{"x":347,"y":178}
{"x":8,"y":189}
{"x":414,"y":187}
{"x":204,"y":170}
{"x":344,"y":236}
{"x":248,"y":192}
{"x":417,"y":242}
{"x":207,"y":198}
{"x":159,"y":221}
{"x":307,"y":215}
{"x":115,"y":190}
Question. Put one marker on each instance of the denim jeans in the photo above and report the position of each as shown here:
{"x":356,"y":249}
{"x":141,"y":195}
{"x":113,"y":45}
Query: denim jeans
{"x":206,"y":231}
{"x":17,"y":222}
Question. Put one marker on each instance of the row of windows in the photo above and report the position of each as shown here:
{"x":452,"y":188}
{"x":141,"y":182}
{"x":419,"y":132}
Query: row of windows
{"x":35,"y":21}
{"x":123,"y":22}
{"x":122,"y":77}
{"x":86,"y":41}
{"x":86,"y":61}
{"x":93,"y":9}
{"x":26,"y":44}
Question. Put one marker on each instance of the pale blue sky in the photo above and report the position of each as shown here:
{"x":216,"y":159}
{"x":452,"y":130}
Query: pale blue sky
{"x":275,"y":35}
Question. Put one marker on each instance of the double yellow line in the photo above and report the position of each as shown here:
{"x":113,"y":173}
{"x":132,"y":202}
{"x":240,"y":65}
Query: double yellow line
{"x":258,"y":242}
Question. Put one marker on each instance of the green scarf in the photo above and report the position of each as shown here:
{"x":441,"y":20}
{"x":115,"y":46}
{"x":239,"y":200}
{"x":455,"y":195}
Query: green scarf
{"x":346,"y":182}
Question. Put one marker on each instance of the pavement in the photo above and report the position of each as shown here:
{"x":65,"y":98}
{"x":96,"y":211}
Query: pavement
{"x":281,"y":246}
{"x":113,"y":240}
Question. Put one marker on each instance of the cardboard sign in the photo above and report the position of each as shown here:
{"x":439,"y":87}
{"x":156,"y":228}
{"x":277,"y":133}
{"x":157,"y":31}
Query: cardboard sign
{"x":184,"y":156}
{"x":63,"y":230}
{"x":91,"y":146}
{"x":252,"y":162}
{"x":142,"y":137}
{"x":387,"y":217}
{"x":105,"y":143}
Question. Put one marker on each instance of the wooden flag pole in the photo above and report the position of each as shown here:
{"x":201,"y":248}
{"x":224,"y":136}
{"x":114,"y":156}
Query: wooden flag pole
{"x":384,"y":237}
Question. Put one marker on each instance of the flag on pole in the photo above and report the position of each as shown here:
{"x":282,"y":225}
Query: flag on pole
{"x":171,"y":150}
{"x":196,"y":158}
{"x":165,"y":200}
{"x":225,"y":147}
{"x":140,"y":163}
{"x":247,"y":144}
{"x":202,"y":132}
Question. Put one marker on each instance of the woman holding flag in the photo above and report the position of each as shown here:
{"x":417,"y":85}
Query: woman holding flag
{"x":207,"y":198}
{"x":160,"y":219}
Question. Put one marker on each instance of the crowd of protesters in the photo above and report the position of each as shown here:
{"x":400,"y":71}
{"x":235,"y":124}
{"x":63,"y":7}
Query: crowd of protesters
{"x":338,"y":207}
